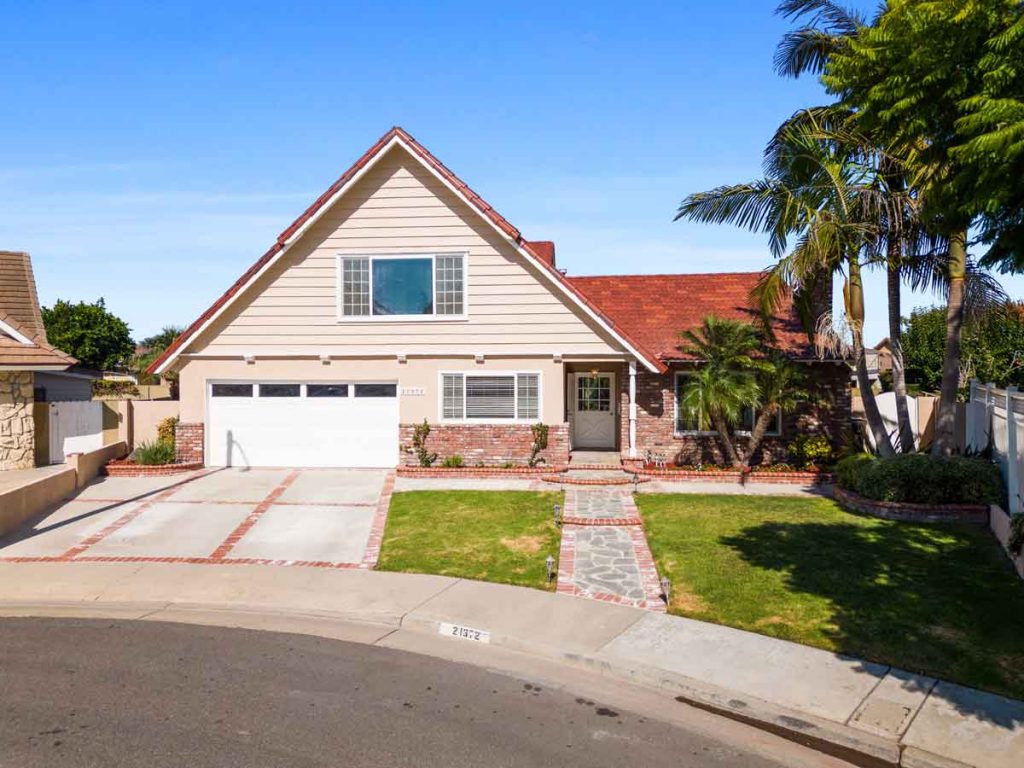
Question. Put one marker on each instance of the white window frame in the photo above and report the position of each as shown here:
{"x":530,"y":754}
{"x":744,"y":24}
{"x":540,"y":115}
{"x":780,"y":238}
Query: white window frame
{"x":769,"y":432}
{"x":709,"y":432}
{"x":490,"y":374}
{"x":372,"y":318}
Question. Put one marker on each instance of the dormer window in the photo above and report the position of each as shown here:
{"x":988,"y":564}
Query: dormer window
{"x":408,"y":286}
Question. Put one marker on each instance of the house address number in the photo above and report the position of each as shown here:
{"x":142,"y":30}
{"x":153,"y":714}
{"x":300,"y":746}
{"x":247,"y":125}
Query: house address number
{"x":413,"y":391}
{"x":464,"y":633}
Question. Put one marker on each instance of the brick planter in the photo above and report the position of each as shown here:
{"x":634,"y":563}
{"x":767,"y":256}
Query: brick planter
{"x":477,"y":472}
{"x":489,"y":444}
{"x":128,"y":468}
{"x":772,"y":478}
{"x":915,"y":513}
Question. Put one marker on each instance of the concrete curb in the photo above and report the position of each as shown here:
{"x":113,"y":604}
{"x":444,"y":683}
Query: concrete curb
{"x":855,"y":746}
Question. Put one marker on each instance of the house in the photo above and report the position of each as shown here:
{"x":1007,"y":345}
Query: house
{"x":400,"y":296}
{"x":26,"y":359}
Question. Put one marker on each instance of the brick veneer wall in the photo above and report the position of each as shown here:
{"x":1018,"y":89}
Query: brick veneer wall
{"x":827,"y":411}
{"x":188,"y":443}
{"x":491,"y":444}
{"x":17,"y":428}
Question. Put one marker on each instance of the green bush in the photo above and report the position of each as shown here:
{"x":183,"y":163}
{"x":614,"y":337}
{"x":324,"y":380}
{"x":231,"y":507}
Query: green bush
{"x":165,"y":430}
{"x":453,"y":461}
{"x":420,"y":433}
{"x":921,"y":479}
{"x":159,"y":452}
{"x":808,"y":450}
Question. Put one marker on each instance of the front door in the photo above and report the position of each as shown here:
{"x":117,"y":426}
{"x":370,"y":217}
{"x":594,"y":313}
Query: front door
{"x":593,"y":405}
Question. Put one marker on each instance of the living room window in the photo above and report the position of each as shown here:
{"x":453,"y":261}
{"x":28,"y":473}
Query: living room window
{"x":687,"y":424}
{"x":402,"y":286}
{"x":496,"y":397}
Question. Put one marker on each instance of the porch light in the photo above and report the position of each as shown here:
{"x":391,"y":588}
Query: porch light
{"x":558,"y":514}
{"x":666,"y":588}
{"x":549,"y":563}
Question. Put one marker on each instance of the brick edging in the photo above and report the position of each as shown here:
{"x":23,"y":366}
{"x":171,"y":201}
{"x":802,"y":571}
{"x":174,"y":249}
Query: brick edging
{"x":777,"y":478}
{"x":497,"y":472}
{"x":371,"y":552}
{"x":912,"y":512}
{"x":128,"y":468}
{"x":611,"y":481}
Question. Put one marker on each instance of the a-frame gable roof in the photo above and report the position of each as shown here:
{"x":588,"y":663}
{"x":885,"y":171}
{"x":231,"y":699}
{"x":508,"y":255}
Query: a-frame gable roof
{"x":398,"y":136}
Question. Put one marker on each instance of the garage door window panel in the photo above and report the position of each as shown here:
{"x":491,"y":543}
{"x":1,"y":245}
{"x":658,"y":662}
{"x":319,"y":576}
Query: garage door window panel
{"x":231,"y":390}
{"x":327,"y":390}
{"x":376,"y":390}
{"x":280,"y":390}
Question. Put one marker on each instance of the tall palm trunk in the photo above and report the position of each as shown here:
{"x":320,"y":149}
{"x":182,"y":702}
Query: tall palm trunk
{"x":855,"y":311}
{"x":945,"y":421}
{"x":899,"y":374}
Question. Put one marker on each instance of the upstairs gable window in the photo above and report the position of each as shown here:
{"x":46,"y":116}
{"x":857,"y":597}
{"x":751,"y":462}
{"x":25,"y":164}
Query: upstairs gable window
{"x":407,"y":286}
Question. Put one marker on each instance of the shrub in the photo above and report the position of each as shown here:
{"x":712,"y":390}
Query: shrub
{"x":453,"y":461}
{"x":419,"y":443}
{"x":540,"y":442}
{"x":114,"y":389}
{"x":921,"y":479}
{"x":158,"y":452}
{"x":1016,"y":542}
{"x":165,"y":430}
{"x":806,"y":450}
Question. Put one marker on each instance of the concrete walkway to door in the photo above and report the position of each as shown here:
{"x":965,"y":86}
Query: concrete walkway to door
{"x":316,"y":517}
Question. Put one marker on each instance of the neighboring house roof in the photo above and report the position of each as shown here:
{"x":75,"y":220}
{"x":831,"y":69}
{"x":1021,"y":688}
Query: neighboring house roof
{"x":539,"y":254}
{"x":883,"y":344}
{"x":23,"y":341}
{"x":655,"y":309}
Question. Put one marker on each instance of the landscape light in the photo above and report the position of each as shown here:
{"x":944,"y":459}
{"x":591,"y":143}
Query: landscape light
{"x":550,"y":564}
{"x":666,"y":587}
{"x":558,"y":514}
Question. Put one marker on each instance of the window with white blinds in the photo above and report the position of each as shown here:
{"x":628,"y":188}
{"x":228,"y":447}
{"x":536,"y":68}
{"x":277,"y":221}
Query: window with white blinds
{"x":490,"y":396}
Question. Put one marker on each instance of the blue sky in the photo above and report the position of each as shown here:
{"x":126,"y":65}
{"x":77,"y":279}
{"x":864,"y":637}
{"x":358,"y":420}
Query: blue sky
{"x":150,"y":154}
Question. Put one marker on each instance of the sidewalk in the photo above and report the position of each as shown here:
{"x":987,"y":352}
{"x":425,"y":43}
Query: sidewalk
{"x":867,"y":712}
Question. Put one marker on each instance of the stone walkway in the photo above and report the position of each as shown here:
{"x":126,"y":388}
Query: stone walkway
{"x":604,"y":553}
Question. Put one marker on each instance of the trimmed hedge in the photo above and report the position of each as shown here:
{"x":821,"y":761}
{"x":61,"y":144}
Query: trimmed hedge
{"x":921,"y":479}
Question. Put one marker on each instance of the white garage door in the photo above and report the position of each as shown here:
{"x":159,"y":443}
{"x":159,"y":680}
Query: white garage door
{"x":285,"y":424}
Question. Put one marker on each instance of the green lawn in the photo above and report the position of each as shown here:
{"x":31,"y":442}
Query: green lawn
{"x":935,"y":599}
{"x":488,"y":535}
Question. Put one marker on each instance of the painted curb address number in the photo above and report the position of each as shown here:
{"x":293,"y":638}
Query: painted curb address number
{"x":464,"y":633}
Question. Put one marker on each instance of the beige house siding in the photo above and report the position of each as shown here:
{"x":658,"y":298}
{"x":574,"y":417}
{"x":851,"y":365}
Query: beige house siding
{"x":399,"y":207}
{"x":416,"y":373}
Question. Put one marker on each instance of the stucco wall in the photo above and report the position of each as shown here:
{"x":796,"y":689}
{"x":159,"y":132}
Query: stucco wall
{"x":17,"y":430}
{"x":422,"y":373}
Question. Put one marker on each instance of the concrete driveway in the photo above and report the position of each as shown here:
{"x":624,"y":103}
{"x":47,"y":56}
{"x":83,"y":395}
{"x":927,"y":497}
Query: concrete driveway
{"x":321,"y":517}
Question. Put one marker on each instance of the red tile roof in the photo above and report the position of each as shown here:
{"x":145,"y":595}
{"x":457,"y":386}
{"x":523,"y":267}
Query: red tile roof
{"x":537,"y":249}
{"x":654,"y":309}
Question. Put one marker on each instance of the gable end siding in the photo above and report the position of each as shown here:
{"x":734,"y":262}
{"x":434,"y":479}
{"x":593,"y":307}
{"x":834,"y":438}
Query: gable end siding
{"x":400,"y":208}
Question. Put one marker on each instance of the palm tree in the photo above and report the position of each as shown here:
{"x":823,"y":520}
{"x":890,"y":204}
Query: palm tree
{"x":725,"y":380}
{"x":780,"y":386}
{"x":807,"y":49}
{"x":818,"y":190}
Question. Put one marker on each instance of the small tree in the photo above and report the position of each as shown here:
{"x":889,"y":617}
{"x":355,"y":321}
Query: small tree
{"x":97,"y":338}
{"x":150,"y":348}
{"x":780,"y":385}
{"x":725,"y":381}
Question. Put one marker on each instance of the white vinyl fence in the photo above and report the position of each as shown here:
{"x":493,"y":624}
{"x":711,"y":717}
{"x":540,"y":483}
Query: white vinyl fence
{"x":996,"y":417}
{"x":75,"y":427}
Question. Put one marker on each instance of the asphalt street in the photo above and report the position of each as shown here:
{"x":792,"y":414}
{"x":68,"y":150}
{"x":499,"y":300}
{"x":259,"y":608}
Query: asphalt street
{"x":114,"y":693}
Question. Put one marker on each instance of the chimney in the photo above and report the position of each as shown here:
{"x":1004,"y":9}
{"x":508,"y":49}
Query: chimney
{"x":542,"y":249}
